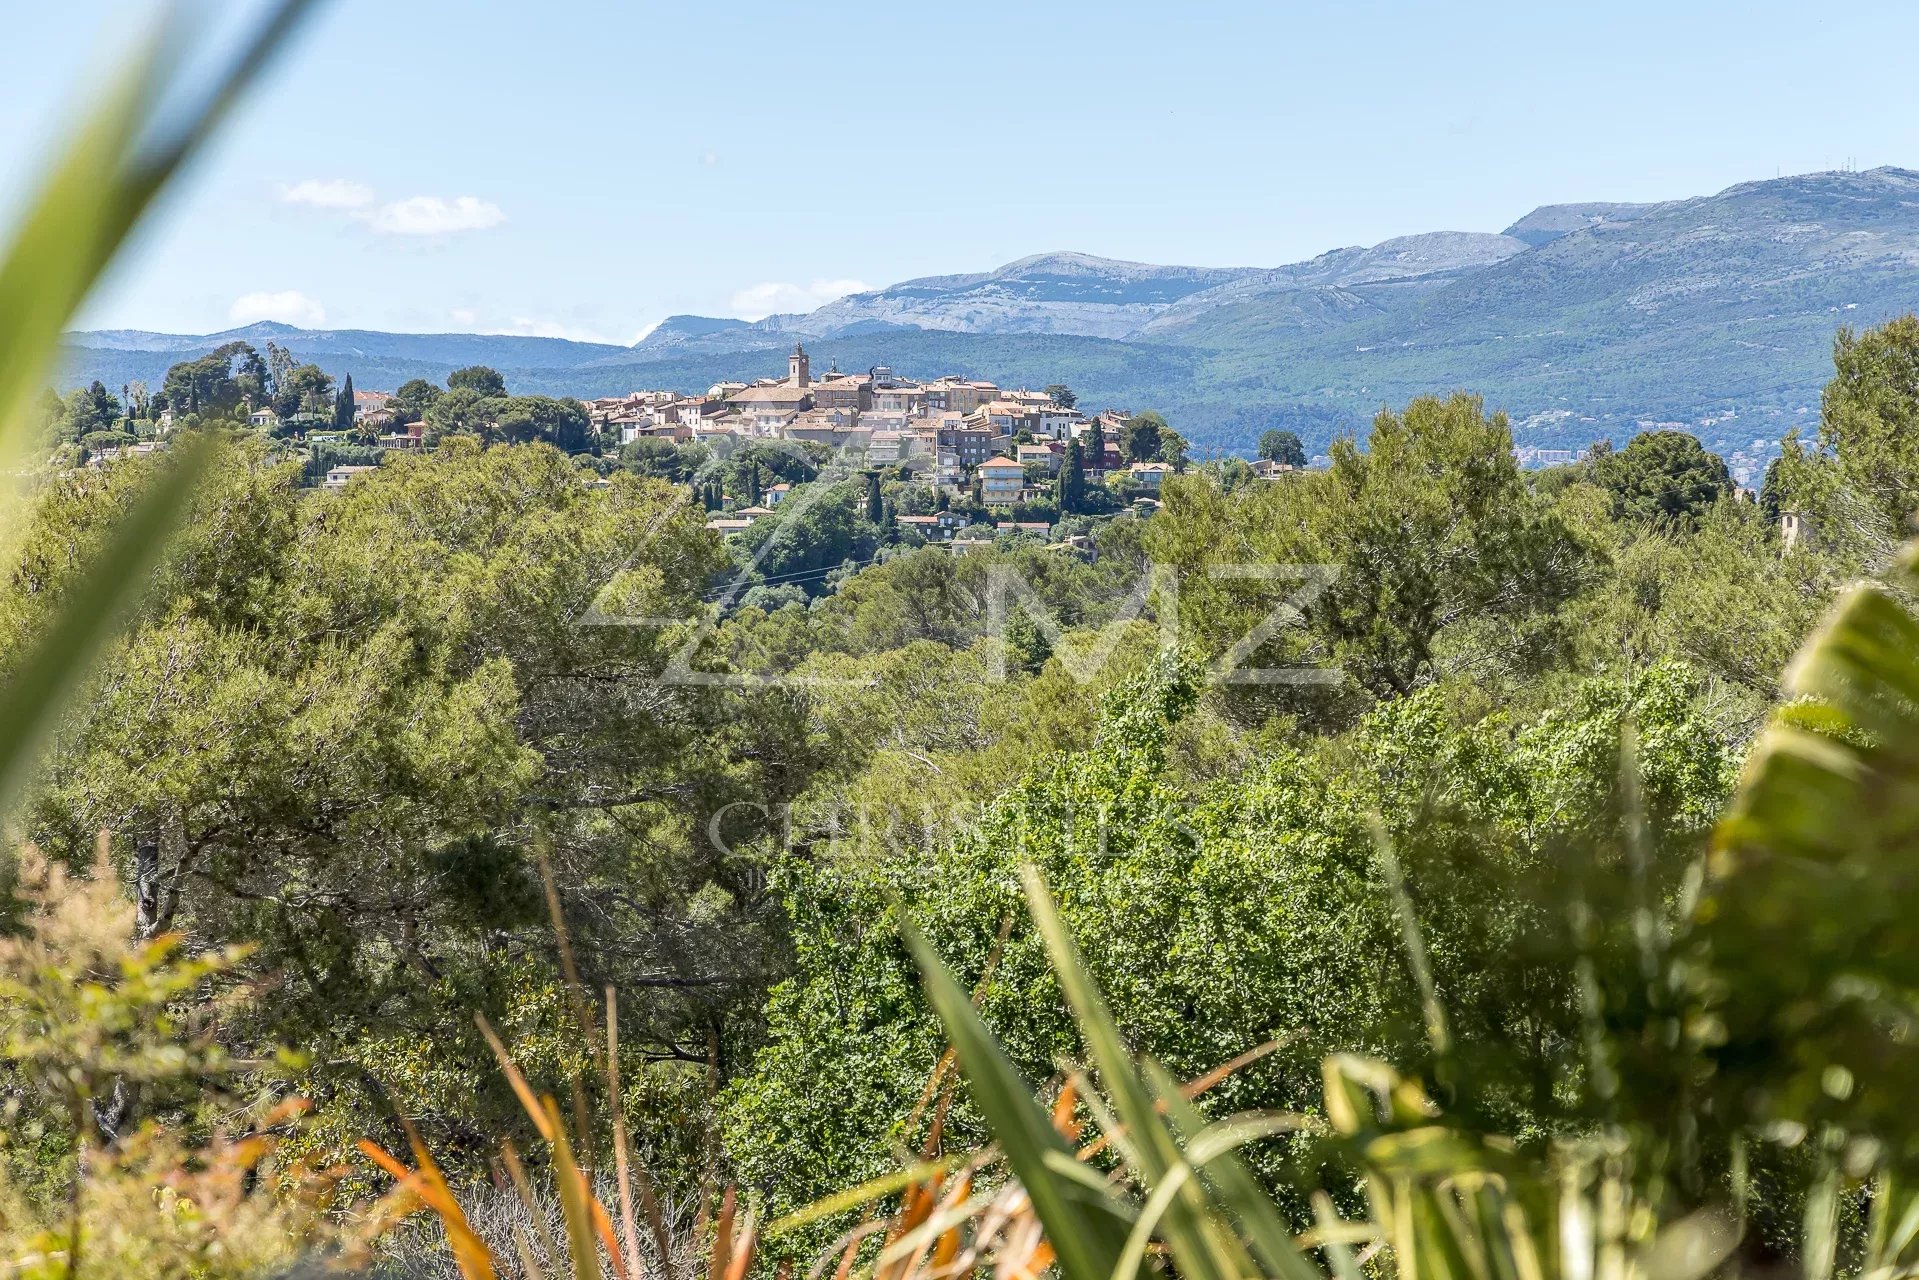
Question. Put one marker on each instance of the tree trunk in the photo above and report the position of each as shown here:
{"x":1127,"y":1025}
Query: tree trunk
{"x":146,"y":886}
{"x":110,"y":1114}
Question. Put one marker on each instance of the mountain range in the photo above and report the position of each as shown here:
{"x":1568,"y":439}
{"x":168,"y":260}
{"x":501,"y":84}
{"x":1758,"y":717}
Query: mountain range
{"x":1582,"y":320}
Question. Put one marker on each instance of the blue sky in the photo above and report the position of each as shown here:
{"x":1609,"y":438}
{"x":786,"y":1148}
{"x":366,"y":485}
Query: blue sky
{"x":584,"y":168}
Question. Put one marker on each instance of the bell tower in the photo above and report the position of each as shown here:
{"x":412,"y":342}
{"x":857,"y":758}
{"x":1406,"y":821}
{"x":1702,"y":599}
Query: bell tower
{"x":798,"y":367}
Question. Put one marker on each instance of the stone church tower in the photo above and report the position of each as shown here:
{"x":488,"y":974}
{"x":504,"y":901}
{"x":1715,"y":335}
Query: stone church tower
{"x":798,"y":367}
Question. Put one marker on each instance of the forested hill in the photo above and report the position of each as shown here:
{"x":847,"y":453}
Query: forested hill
{"x":1583,"y":321}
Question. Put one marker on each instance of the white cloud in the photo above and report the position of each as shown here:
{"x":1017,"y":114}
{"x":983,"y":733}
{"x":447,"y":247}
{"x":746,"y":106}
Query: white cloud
{"x":531,"y":327}
{"x":525,"y":327}
{"x":327,"y":193}
{"x":756,"y":302}
{"x":413,"y":216}
{"x":464,"y":315}
{"x":434,"y":216}
{"x":289,"y":307}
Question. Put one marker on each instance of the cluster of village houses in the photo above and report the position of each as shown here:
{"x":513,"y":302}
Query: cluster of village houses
{"x":953,"y":431}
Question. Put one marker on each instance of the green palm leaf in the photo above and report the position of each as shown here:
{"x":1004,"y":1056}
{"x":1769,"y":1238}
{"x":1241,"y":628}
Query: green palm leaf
{"x":1806,"y":965}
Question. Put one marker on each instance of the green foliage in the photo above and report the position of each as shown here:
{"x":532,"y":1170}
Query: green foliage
{"x":480,"y":380}
{"x":343,"y":409}
{"x":352,"y":765}
{"x":809,"y":540}
{"x":664,"y":460}
{"x":1441,"y":555}
{"x":207,"y":387}
{"x":410,"y":403}
{"x":1272,"y":873}
{"x":1282,"y":446}
{"x":1662,"y":477}
{"x":1140,"y":439}
{"x":306,"y":391}
{"x":1440,"y":1202}
{"x":1809,"y":863}
{"x":1869,"y":417}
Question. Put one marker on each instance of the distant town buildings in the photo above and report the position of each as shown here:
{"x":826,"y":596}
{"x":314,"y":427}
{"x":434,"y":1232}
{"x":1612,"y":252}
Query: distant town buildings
{"x":947,"y":430}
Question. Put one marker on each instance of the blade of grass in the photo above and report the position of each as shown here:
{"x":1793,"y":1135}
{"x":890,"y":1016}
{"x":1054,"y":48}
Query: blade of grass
{"x":1203,"y":1250}
{"x":576,"y":999}
{"x":1437,"y":1033}
{"x":723,"y":1235}
{"x":521,"y":1090}
{"x":745,"y":1247}
{"x":1214,"y":1148}
{"x":523,"y":1188}
{"x":470,"y":1253}
{"x":624,"y":1159}
{"x":576,"y":1202}
{"x":865,"y":1193}
{"x":1088,"y":1228}
{"x":1338,"y":1253}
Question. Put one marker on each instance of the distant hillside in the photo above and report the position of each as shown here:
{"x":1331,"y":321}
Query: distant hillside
{"x":451,"y":349}
{"x":1716,"y":312}
{"x":1335,"y":287}
{"x":1582,"y":320}
{"x":1549,"y":222}
{"x":1047,"y":293}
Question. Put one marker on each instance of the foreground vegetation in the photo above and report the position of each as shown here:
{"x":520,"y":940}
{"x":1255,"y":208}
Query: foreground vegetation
{"x":1500,"y":916}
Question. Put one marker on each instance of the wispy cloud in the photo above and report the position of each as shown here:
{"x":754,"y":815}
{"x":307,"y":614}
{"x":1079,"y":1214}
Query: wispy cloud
{"x":288,"y":307}
{"x":327,"y":193}
{"x":412,"y":216}
{"x":435,"y":216}
{"x":531,"y":327}
{"x":756,"y":302}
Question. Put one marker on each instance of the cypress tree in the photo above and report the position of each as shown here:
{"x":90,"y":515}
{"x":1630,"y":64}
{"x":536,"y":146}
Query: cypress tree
{"x":875,"y":510}
{"x":1072,"y":480}
{"x":343,"y":406}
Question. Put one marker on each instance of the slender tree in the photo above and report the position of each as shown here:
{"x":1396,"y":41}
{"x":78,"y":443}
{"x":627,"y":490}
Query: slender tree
{"x":343,"y":406}
{"x":1070,"y":488}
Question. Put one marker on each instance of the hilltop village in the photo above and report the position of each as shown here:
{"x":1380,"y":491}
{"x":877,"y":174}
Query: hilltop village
{"x":971,"y":445}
